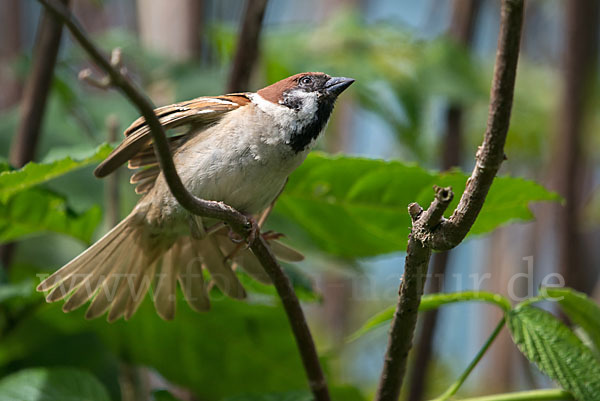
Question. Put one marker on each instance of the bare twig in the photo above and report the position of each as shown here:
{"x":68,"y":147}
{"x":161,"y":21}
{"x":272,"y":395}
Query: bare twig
{"x":411,"y":290}
{"x":86,"y":75}
{"x":218,"y":210}
{"x":490,"y":154}
{"x":247,"y":46}
{"x":35,"y":95}
{"x":428,"y":232}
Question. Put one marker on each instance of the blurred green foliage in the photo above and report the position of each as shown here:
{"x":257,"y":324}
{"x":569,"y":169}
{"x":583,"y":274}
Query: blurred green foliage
{"x":57,"y":384}
{"x":38,"y":210}
{"x":344,"y":207}
{"x":13,"y":181}
{"x":354,"y":207}
{"x":223,"y":352}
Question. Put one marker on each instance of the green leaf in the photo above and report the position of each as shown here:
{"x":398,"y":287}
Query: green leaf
{"x":163,"y":395}
{"x":582,"y":310}
{"x":355,"y":207}
{"x":235,"y":348}
{"x":378,"y":320}
{"x":33,"y":173}
{"x":433,"y":301}
{"x":38,"y":210}
{"x":556,"y":351}
{"x":16,"y":290}
{"x":52,"y":384}
{"x":287,"y":396}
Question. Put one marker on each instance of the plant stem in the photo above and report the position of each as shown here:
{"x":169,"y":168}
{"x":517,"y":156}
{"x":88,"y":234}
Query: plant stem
{"x":456,"y":385}
{"x":533,"y":395}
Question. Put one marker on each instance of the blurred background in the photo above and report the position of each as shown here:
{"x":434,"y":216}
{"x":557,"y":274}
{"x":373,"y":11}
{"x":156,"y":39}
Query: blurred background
{"x":423,"y":71}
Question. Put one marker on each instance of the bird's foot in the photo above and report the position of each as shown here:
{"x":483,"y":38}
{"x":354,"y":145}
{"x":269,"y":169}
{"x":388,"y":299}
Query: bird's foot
{"x":253,"y":233}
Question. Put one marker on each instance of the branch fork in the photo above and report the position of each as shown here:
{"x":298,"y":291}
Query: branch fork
{"x":430,"y":230}
{"x":425,"y":223}
{"x":86,"y":75}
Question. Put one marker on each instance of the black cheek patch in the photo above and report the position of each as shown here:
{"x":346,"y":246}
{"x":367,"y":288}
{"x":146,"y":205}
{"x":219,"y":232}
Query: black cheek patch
{"x":294,"y":103}
{"x":302,"y":137}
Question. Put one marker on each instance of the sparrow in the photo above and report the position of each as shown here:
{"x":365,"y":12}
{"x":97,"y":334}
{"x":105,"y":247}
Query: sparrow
{"x":237,"y":148}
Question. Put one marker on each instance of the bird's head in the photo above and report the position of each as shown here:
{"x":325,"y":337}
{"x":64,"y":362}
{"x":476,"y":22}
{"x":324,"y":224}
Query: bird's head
{"x":311,"y":96}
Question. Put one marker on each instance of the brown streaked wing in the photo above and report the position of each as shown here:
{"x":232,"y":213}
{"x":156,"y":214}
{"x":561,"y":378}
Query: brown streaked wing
{"x":200,"y":112}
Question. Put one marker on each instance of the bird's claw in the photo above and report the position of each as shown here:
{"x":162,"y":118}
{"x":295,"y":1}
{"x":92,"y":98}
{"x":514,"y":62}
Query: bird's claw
{"x":253,"y":233}
{"x":254,"y":230}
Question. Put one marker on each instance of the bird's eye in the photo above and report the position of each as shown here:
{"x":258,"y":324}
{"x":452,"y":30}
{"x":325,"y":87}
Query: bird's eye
{"x":306,"y":81}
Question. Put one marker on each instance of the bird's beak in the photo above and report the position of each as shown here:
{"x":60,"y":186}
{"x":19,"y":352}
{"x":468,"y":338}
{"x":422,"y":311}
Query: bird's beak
{"x":336,"y":85}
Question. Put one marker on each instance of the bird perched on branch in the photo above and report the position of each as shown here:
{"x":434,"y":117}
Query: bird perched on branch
{"x":237,"y":148}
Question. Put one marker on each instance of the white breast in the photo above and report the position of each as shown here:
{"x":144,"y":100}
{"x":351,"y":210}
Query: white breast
{"x":243,"y":161}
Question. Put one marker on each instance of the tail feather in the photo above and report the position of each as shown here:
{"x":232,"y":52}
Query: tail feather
{"x":125,"y":291}
{"x":111,"y":286}
{"x":97,"y":272}
{"x":252,"y":266}
{"x":244,"y":257}
{"x":141,"y":286}
{"x":74,"y":281}
{"x":102,"y":300}
{"x":118,"y":270}
{"x":191,"y":279}
{"x":81,"y":261}
{"x":81,"y":284}
{"x":220,"y":270}
{"x":285,"y":252}
{"x":164,"y":296}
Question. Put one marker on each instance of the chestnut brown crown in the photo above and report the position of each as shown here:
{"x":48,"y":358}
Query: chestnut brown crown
{"x":306,"y":81}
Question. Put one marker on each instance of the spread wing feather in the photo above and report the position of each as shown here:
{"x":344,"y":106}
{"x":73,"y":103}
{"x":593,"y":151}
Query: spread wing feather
{"x":198,"y":113}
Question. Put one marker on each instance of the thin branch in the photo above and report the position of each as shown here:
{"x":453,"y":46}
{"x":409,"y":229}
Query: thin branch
{"x":296,"y":318}
{"x":218,"y":210}
{"x":35,"y":96}
{"x":411,"y":290}
{"x":490,"y":154}
{"x":247,"y":46}
{"x":428,"y":234}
